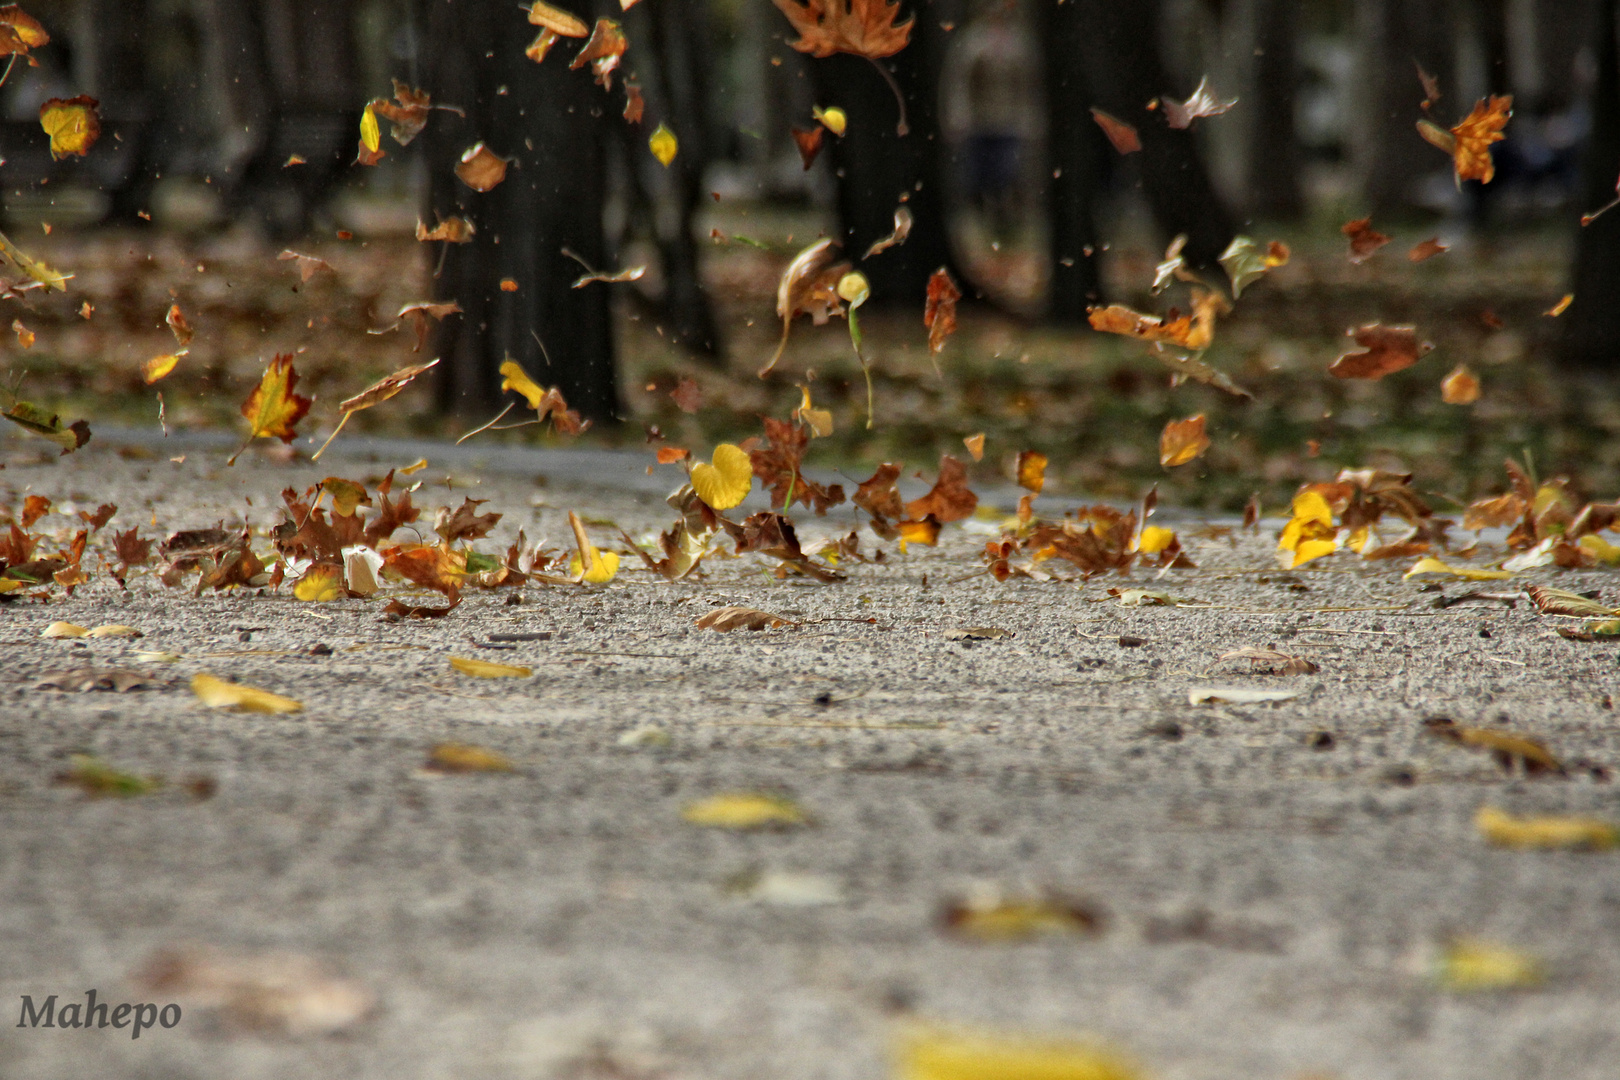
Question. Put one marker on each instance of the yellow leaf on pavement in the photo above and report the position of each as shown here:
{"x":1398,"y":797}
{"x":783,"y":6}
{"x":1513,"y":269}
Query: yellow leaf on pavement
{"x":928,"y":1052}
{"x":1505,"y":830}
{"x":484,"y":669}
{"x":322,"y":584}
{"x":744,"y":810}
{"x":1432,"y":565}
{"x":1470,"y":964}
{"x":219,"y":694}
{"x":63,"y":630}
{"x":460,"y":757}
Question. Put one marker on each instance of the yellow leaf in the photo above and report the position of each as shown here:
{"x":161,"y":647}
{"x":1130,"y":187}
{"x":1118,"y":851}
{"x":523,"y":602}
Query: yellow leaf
{"x":744,"y":810}
{"x":924,"y":531}
{"x":347,"y":496}
{"x":833,"y":119}
{"x":513,"y":377}
{"x":483,"y":669}
{"x":273,"y":410}
{"x":604,"y":566}
{"x":421,"y":463}
{"x":114,"y":630}
{"x":459,"y":757}
{"x":974,"y":444}
{"x":31,"y":266}
{"x":1432,"y":565}
{"x":1001,"y":919}
{"x":1155,"y":539}
{"x":63,"y":629}
{"x":663,"y":145}
{"x":370,"y":131}
{"x":928,"y":1052}
{"x":1599,"y":549}
{"x":1309,"y":534}
{"x":728,"y":481}
{"x":159,"y":366}
{"x":1469,"y":964}
{"x":1505,"y":830}
{"x":72,"y":124}
{"x":219,"y":694}
{"x":320,"y":585}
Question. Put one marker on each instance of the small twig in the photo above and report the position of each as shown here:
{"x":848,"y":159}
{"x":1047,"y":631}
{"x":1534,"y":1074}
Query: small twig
{"x":902,"y":128}
{"x":486,"y":427}
{"x":13,"y":63}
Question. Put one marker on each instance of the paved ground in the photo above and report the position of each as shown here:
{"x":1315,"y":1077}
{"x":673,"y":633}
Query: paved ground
{"x":1276,"y":881}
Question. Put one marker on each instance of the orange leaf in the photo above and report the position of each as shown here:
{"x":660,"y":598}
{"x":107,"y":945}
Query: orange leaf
{"x":603,"y":51}
{"x":1560,"y":307}
{"x":1461,"y":387}
{"x":481,"y":168}
{"x":429,"y":566}
{"x":940,"y":314}
{"x":452,"y":230}
{"x":809,"y":144}
{"x":1386,"y":349}
{"x":1182,"y":441}
{"x":949,"y":499}
{"x":1192,"y":332}
{"x":809,"y":286}
{"x":1471,"y":154}
{"x":975,"y":446}
{"x":1428,"y":249}
{"x":273,"y":410}
{"x":634,"y":105}
{"x":19,"y":32}
{"x":1364,"y":239}
{"x":860,"y":27}
{"x":73,"y":125}
{"x":557,"y":20}
{"x":669,"y":455}
{"x":1121,"y":134}
{"x":1031,"y":470}
{"x":307,"y":264}
{"x":25,"y":336}
{"x":177,"y":322}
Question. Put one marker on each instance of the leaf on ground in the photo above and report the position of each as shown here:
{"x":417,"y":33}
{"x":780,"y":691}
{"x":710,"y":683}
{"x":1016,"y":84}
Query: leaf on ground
{"x":64,"y":630}
{"x":114,"y":630}
{"x":98,"y":779}
{"x":429,"y":565}
{"x":1461,"y":387}
{"x":931,"y":1052}
{"x":308,"y":265}
{"x":1578,"y":833}
{"x":1182,"y":441}
{"x":1237,"y":695}
{"x":1561,"y":602}
{"x":1432,"y":565}
{"x":902,"y":230}
{"x":276,"y":994}
{"x":73,"y":124}
{"x":1245,"y":262}
{"x":1271,"y":661}
{"x":996,"y":918}
{"x":463,"y":758}
{"x":1364,"y":239}
{"x":321,"y":584}
{"x":218,"y":694}
{"x":1181,"y":114}
{"x":603,"y":52}
{"x":88,"y":677}
{"x":809,"y":286}
{"x":480,"y":168}
{"x":727,"y":482}
{"x":1309,"y":534}
{"x":1469,"y":964}
{"x":1506,"y":747}
{"x":726,"y":619}
{"x":465,"y":522}
{"x":47,"y":425}
{"x":1121,"y":135}
{"x":1427,"y":249}
{"x":949,"y":499}
{"x":785,"y":889}
{"x":1385,"y":350}
{"x":419,"y":611}
{"x":858,"y":27}
{"x":745,"y":810}
{"x":484,"y":669}
{"x":939,"y":314}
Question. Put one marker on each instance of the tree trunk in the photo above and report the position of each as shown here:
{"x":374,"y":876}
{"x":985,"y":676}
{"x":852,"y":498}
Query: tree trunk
{"x":1592,"y":324}
{"x":1080,"y":165}
{"x":548,"y":121}
{"x":1393,"y":34}
{"x":1274,"y":158}
{"x":879,"y":170}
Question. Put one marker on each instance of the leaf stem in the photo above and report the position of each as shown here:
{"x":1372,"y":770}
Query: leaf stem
{"x":902,"y":128}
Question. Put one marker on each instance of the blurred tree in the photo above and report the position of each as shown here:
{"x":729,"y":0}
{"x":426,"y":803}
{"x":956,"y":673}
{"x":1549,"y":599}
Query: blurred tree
{"x":1273,"y":167}
{"x":1393,"y":36}
{"x":1591,"y":326}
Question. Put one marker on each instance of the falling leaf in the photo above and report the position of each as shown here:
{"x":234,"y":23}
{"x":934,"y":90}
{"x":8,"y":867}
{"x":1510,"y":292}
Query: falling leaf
{"x":542,"y":44}
{"x":1560,"y":307}
{"x":1431,"y":565}
{"x":1031,"y":470}
{"x":557,"y":20}
{"x":939,"y":316}
{"x":975,"y":446}
{"x":1182,"y":441}
{"x":407,"y":113}
{"x":1181,"y":114}
{"x":96,"y":778}
{"x":635,"y":105}
{"x":1309,"y":533}
{"x":1122,"y":135}
{"x":1578,"y":833}
{"x":1461,"y":387}
{"x":375,"y":394}
{"x":47,"y":425}
{"x":1471,"y":965}
{"x":744,"y":810}
{"x":74,"y":125}
{"x":483,"y":669}
{"x":687,"y":395}
{"x":1244,"y":262}
{"x":462,"y":758}
{"x":273,"y":409}
{"x":219,"y":694}
{"x":727,"y":482}
{"x":1469,"y":143}
{"x":949,"y":499}
{"x":931,"y":1052}
{"x":859,"y":27}
{"x":508,"y":285}
{"x":1507,"y":747}
{"x":481,"y":168}
{"x":902,"y":229}
{"x":1364,"y":239}
{"x":1236,"y":695}
{"x":156,"y":368}
{"x":603,"y":52}
{"x":740,"y":618}
{"x":809,"y":286}
{"x":610,"y":277}
{"x":663,"y":145}
{"x":177,"y":323}
{"x":995,"y":918}
{"x":371,"y":150}
{"x":833,"y":119}
{"x":20,"y":32}
{"x":1385,"y":350}
{"x":543,"y":401}
{"x":35,"y":269}
{"x":808,"y":140}
{"x":453,"y":230}
{"x":1427,"y":249}
{"x":1192,"y":332}
{"x":308,"y":265}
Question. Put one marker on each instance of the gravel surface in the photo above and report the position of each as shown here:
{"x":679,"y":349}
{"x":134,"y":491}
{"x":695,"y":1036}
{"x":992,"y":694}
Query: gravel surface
{"x":1275,"y":882}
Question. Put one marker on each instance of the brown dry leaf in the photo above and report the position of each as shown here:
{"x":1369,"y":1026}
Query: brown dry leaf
{"x":558,"y":21}
{"x":1122,"y":135}
{"x":809,"y":144}
{"x":902,"y":229}
{"x":778,"y":465}
{"x":939,"y":316}
{"x":464,"y":523}
{"x":740,"y":618}
{"x":419,"y":611}
{"x":418,"y":315}
{"x":859,"y":27}
{"x":282,"y":994}
{"x":408,"y":112}
{"x":687,"y":395}
{"x":1461,"y":387}
{"x":1385,"y":350}
{"x":880,"y":498}
{"x":1182,"y":441}
{"x":177,"y":323}
{"x":453,"y":230}
{"x":480,"y":168}
{"x":1506,"y":747}
{"x":273,"y":409}
{"x":610,"y":277}
{"x":1192,"y":332}
{"x":462,"y":758}
{"x":809,"y":286}
{"x":1364,"y":239}
{"x":73,"y":124}
{"x":102,"y":515}
{"x":1562,"y":602}
{"x":603,"y":51}
{"x":308,"y":265}
{"x":1031,"y":470}
{"x":1181,"y":114}
{"x":34,"y":508}
{"x":949,"y":500}
{"x":769,"y":533}
{"x":975,"y":446}
{"x":428,"y":565}
{"x":20,"y":32}
{"x":635,"y":105}
{"x":1270,"y":661}
{"x":996,"y":918}
{"x":1427,"y":249}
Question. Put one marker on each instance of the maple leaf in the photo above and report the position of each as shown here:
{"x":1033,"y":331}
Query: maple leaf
{"x":1385,"y":349}
{"x":777,"y":466}
{"x":809,"y":286}
{"x":809,"y":144}
{"x":1181,"y":114}
{"x":949,"y":499}
{"x":1182,"y":441}
{"x":273,"y":409}
{"x":1364,"y":239}
{"x":465,"y":523}
{"x":1121,"y":135}
{"x":939,"y":316}
{"x":859,"y":27}
{"x":73,"y":124}
{"x":1469,"y":143}
{"x":880,"y":498}
{"x":603,"y":52}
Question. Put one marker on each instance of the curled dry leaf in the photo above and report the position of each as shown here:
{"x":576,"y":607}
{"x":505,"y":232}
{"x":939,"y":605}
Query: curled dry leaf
{"x":1578,"y":833}
{"x":176,"y":319}
{"x":31,"y":266}
{"x":740,"y":618}
{"x":610,"y":277}
{"x":462,"y":758}
{"x":1427,"y":249}
{"x":483,"y":669}
{"x":939,"y":316}
{"x":1182,"y":441}
{"x":1469,"y":143}
{"x":809,"y":286}
{"x":375,"y":394}
{"x":558,"y":21}
{"x":480,"y":168}
{"x":47,"y":425}
{"x":1181,"y":114}
{"x":1461,"y":387}
{"x":73,"y":124}
{"x":218,"y":694}
{"x":949,"y":499}
{"x":1364,"y":239}
{"x":1562,"y":602}
{"x":1560,"y":307}
{"x":995,"y":918}
{"x":453,"y":230}
{"x":1122,"y":135}
{"x":1243,"y":260}
{"x":308,"y":265}
{"x":902,"y":229}
{"x":603,"y":52}
{"x":745,"y":810}
{"x":635,"y":105}
{"x":20,"y":32}
{"x":859,"y":27}
{"x":1031,"y":470}
{"x":1385,"y":350}
{"x":1271,"y":661}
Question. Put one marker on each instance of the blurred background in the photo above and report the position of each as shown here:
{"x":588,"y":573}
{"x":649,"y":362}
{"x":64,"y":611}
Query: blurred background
{"x":189,"y":197}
